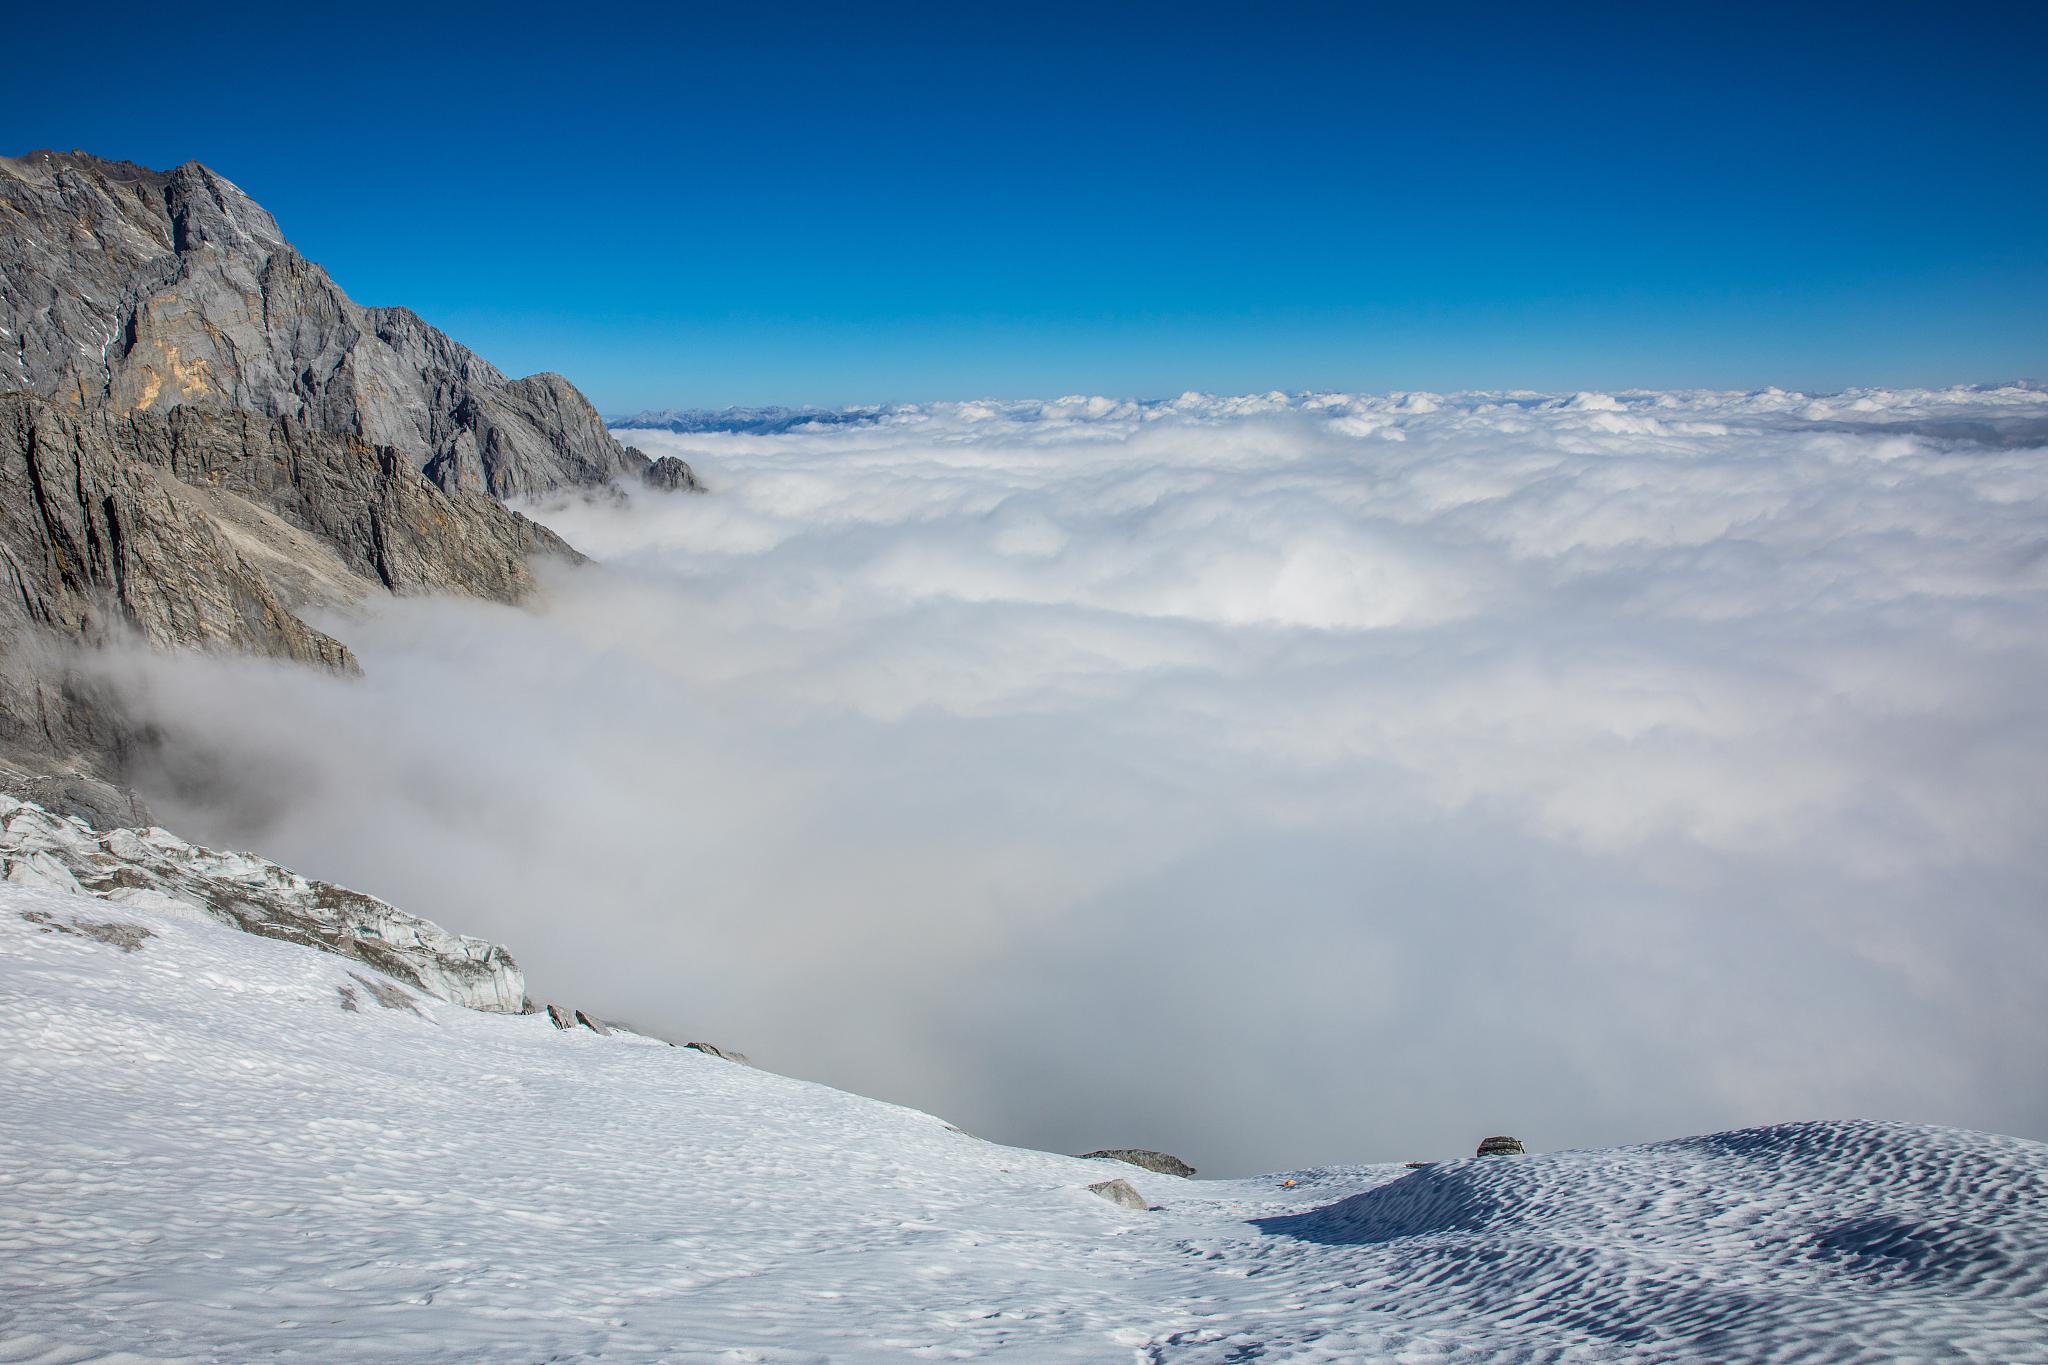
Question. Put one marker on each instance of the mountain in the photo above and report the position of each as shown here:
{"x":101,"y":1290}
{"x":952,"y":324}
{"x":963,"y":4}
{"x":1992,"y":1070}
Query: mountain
{"x":150,"y":289}
{"x":201,"y":436}
{"x":217,"y":1146}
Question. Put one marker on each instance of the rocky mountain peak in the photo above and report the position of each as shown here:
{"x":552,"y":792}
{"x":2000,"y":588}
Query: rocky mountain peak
{"x":149,"y":290}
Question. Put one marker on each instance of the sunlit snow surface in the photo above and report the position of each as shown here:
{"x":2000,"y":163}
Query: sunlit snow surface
{"x":205,"y":1156}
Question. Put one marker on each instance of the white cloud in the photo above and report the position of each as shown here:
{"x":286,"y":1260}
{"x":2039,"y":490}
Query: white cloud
{"x":1267,"y":779}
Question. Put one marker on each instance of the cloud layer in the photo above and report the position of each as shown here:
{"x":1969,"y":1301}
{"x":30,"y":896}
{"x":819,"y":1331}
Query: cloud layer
{"x":1272,"y":780}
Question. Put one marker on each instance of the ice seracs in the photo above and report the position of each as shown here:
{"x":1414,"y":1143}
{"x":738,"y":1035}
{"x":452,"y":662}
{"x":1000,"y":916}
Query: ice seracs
{"x":153,"y":868}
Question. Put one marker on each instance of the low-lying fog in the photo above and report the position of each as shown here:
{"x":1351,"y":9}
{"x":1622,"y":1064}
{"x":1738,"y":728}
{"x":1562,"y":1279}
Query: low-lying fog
{"x":1271,"y":781}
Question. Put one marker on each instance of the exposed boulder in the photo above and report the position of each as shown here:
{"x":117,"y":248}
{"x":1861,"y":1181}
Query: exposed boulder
{"x":592,"y":1023}
{"x":153,"y":867}
{"x":712,"y":1050}
{"x":1501,"y":1146}
{"x":1158,"y":1162}
{"x":1120,"y":1192}
{"x":560,"y":1017}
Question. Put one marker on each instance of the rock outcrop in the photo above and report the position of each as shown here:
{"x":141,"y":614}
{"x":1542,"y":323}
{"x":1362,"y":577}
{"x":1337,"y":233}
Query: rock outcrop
{"x":1158,"y":1162}
{"x":670,"y":475}
{"x":1121,"y":1193}
{"x":153,"y":868}
{"x":1501,"y":1146}
{"x":99,"y":803}
{"x":148,"y":290}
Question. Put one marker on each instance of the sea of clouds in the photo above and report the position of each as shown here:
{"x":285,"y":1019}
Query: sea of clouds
{"x":1272,"y":780}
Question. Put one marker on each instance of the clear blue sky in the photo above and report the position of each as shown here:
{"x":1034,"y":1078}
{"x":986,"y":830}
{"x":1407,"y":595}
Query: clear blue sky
{"x":759,"y":202}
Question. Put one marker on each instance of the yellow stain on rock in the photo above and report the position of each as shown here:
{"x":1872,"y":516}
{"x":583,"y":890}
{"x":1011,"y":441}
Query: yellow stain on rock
{"x":194,"y":378}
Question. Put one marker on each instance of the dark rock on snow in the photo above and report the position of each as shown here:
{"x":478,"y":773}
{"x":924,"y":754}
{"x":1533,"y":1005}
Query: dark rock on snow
{"x":386,"y":994}
{"x":1501,"y":1146}
{"x":560,"y":1017}
{"x":127,"y":937}
{"x":1158,"y":1162}
{"x":594,"y":1025}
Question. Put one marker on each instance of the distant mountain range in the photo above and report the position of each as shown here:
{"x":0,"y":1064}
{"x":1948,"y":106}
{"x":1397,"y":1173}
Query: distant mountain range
{"x":769,"y":421}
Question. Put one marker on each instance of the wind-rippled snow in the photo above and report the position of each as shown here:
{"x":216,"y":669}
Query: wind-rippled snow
{"x":206,"y":1155}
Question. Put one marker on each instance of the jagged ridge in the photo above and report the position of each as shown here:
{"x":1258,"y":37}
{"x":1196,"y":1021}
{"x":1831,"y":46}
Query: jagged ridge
{"x":152,"y":289}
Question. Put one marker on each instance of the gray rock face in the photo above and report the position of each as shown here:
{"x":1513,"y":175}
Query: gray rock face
{"x":148,"y":290}
{"x":208,"y":529}
{"x":595,"y":1025}
{"x":1121,"y":1193}
{"x":561,"y":1018}
{"x":152,"y":869}
{"x":1501,"y":1146}
{"x":1158,"y":1162}
{"x":96,"y":529}
{"x":100,"y":804}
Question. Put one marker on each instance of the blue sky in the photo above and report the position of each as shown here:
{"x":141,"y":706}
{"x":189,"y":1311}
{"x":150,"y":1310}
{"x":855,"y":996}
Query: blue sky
{"x":683,"y":205}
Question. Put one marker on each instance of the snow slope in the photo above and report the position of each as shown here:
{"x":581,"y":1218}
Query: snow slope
{"x":226,"y":1148}
{"x":148,"y":867}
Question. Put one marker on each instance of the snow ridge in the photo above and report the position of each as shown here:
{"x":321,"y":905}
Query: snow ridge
{"x":153,"y":867}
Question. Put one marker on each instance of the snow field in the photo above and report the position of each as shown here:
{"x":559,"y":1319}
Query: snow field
{"x":204,"y":1156}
